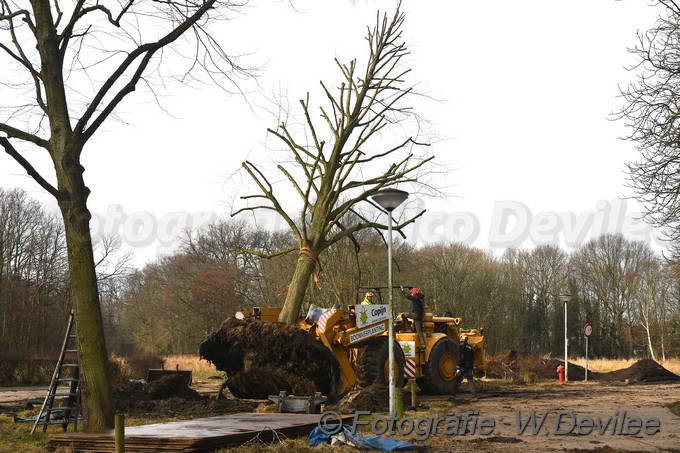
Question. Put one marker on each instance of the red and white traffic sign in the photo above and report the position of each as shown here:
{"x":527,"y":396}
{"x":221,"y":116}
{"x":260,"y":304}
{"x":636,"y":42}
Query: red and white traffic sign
{"x":588,"y":330}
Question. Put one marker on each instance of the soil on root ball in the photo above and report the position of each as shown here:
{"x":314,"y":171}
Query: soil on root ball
{"x":374,"y":398}
{"x":262,"y":359}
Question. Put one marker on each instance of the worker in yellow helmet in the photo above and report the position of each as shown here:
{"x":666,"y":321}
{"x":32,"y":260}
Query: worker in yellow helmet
{"x":368,"y":299}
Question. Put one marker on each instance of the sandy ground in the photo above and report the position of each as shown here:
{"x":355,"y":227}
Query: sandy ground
{"x":632,"y":418}
{"x":11,"y":396}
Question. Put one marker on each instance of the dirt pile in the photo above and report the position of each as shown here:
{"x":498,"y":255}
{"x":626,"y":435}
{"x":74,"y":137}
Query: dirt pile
{"x":522,"y":366}
{"x":374,"y":398}
{"x":263,"y":359}
{"x":576,"y":372}
{"x":171,"y":395}
{"x":644,"y":370}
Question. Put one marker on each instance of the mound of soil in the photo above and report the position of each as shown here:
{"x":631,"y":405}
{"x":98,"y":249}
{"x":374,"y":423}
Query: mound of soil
{"x":644,"y":370}
{"x":263,"y":359}
{"x":171,"y":395}
{"x":374,"y":398}
{"x":506,"y":364}
{"x":523,"y":366}
{"x":575,"y":372}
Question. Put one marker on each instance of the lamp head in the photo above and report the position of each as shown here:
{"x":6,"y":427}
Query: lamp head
{"x":389,"y":199}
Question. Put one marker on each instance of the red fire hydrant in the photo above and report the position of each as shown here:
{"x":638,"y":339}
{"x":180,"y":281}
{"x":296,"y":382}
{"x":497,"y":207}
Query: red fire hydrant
{"x":560,"y":373}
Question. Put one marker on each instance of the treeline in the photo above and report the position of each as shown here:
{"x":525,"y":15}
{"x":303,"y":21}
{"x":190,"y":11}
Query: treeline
{"x":33,"y":276}
{"x":626,"y":291}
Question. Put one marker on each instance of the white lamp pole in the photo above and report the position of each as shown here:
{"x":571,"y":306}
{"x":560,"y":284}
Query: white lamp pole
{"x":565,"y":298}
{"x":389,"y":199}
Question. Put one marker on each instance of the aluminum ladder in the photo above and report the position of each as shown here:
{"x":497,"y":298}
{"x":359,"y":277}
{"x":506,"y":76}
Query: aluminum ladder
{"x":64,"y":385}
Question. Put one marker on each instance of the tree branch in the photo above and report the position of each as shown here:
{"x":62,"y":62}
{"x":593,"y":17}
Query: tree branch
{"x":145,"y":52}
{"x":13,"y":132}
{"x":28,"y":167}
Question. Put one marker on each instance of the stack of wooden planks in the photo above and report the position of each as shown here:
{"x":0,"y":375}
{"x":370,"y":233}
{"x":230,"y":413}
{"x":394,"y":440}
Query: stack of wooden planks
{"x":199,"y":435}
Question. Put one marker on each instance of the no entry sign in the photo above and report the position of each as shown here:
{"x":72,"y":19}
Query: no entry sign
{"x":588,"y":330}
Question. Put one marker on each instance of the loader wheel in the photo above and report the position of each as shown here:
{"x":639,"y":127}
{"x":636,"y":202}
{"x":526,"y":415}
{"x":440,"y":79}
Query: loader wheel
{"x":438,"y":371}
{"x":373,"y":363}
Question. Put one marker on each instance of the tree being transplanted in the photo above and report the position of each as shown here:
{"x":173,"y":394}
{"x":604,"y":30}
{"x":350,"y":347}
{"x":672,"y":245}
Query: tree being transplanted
{"x":332,"y":178}
{"x":72,"y":65}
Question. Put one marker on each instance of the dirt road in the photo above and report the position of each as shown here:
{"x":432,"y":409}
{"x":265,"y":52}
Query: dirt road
{"x":528,"y":418}
{"x":572,"y":417}
{"x":15,"y":395}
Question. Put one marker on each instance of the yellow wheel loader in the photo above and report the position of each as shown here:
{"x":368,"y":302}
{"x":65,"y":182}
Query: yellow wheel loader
{"x":357,"y":337}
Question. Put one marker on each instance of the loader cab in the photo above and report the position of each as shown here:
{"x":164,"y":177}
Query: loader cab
{"x":379,"y":294}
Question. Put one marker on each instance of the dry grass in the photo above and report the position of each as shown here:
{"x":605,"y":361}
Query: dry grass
{"x":17,"y":436}
{"x":607,"y":365}
{"x":201,"y":368}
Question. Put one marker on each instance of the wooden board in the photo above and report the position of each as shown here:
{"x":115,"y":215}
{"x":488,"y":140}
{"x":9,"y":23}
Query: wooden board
{"x":199,"y":435}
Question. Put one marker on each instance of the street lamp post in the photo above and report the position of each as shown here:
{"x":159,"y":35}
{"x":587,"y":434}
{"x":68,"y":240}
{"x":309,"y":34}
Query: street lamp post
{"x":389,"y":199}
{"x":565,"y":298}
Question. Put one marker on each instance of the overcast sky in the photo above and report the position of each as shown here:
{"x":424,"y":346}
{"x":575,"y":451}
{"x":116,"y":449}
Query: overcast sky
{"x":527,"y":88}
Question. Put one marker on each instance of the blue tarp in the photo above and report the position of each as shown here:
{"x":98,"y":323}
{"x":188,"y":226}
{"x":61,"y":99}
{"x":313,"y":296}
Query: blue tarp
{"x":380,"y":443}
{"x":57,"y":416}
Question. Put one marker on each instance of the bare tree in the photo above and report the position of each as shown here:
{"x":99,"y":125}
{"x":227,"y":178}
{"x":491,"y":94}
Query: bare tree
{"x":648,"y":293}
{"x":222,"y":242}
{"x":332,"y":176}
{"x":609,"y":269}
{"x":72,"y":64}
{"x":544,"y":272}
{"x":32,"y":276}
{"x":651,"y":114}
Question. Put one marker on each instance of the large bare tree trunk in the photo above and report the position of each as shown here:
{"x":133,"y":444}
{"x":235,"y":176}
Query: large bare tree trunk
{"x":65,"y":149}
{"x":297,"y":288}
{"x":95,"y":383}
{"x":68,"y":40}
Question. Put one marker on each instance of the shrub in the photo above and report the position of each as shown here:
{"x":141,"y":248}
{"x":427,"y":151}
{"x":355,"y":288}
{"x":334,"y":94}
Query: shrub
{"x":529,"y":367}
{"x":137,"y":365}
{"x":7,"y":367}
{"x":19,"y":370}
{"x":116,"y":371}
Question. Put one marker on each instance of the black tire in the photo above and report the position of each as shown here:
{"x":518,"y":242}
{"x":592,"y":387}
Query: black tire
{"x":438,"y":371}
{"x":373,"y":363}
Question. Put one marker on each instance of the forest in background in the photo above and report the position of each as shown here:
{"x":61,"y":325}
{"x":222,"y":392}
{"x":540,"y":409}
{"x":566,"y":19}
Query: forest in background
{"x":628,"y":292}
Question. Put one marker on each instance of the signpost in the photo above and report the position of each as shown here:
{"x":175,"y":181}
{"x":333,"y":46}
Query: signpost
{"x":587,"y":332}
